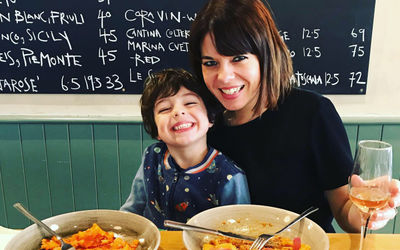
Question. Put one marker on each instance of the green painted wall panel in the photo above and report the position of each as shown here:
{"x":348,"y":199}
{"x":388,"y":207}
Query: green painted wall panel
{"x":59,"y":165}
{"x":391,"y":134}
{"x":130,"y":154}
{"x":107,"y":166}
{"x":147,"y":140}
{"x":352,"y":134}
{"x":36,"y":169}
{"x":83,"y":166}
{"x":3,"y":214}
{"x":369,"y":132}
{"x":12,"y":176}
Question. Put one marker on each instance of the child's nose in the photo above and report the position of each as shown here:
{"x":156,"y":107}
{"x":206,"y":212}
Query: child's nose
{"x":179,"y":112}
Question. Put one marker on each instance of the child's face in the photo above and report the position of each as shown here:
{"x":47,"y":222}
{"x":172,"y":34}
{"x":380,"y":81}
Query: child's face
{"x":181,"y":119}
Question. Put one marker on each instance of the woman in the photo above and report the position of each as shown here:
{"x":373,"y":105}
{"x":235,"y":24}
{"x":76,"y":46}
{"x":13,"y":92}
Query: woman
{"x":290,"y":142}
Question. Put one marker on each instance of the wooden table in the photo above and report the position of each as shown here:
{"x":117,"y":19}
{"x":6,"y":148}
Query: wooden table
{"x":172,"y":240}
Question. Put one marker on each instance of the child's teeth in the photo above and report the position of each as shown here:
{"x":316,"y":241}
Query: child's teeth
{"x":185,"y":125}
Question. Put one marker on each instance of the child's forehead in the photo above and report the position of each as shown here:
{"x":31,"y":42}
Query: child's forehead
{"x":182,"y":92}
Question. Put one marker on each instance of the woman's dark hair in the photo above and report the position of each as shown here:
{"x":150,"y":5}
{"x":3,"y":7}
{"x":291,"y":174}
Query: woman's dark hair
{"x":167,"y":83}
{"x":239,"y":27}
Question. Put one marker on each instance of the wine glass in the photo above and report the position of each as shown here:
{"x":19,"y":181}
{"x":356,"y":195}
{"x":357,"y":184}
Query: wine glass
{"x":369,"y":182}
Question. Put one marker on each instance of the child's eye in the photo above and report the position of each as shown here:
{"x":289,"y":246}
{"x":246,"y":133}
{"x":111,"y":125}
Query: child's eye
{"x":209,"y":63}
{"x":239,"y":58}
{"x":163,"y":110}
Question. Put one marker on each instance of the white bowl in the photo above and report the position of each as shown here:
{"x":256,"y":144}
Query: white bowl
{"x":125,"y":224}
{"x":250,"y":220}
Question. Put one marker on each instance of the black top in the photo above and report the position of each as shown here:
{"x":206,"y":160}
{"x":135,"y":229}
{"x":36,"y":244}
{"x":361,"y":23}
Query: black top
{"x":291,"y":155}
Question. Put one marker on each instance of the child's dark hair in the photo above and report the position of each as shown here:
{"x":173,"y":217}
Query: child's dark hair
{"x":167,"y":83}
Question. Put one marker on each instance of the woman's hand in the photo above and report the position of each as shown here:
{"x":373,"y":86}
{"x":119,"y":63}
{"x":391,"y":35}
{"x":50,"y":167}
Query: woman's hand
{"x":381,"y":217}
{"x":348,"y":215}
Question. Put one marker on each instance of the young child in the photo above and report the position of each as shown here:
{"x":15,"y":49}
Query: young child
{"x":180,"y":175}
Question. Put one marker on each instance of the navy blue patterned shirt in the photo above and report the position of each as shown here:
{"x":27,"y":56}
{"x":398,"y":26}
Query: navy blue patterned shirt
{"x":162,"y":190}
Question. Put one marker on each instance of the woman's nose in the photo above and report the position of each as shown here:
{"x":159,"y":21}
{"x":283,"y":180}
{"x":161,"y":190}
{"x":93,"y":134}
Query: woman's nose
{"x":225,"y":73}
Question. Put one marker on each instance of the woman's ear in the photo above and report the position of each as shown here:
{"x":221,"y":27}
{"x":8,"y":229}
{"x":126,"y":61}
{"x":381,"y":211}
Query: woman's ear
{"x":210,"y":124}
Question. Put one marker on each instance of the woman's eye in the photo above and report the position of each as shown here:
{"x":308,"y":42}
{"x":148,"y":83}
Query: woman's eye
{"x":239,"y":58}
{"x":191,"y":103}
{"x":209,"y":63}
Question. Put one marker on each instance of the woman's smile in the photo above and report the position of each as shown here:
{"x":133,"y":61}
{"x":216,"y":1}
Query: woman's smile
{"x":231,"y":92}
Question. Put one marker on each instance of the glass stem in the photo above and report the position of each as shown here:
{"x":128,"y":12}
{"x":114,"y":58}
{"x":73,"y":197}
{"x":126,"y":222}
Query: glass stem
{"x":364,"y":228}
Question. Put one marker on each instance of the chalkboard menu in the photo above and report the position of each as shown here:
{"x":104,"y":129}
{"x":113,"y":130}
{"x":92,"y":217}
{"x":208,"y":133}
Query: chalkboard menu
{"x":110,"y":47}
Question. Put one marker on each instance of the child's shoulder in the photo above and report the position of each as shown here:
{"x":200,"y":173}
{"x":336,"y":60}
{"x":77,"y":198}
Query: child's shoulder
{"x":156,"y":148}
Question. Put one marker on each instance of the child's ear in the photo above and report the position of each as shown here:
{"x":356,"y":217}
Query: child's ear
{"x":210,"y":124}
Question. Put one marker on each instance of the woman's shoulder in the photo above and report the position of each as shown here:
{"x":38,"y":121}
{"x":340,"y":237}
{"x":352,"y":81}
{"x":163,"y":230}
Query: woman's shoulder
{"x":304,"y":105}
{"x":304,"y":95}
{"x":308,"y":99}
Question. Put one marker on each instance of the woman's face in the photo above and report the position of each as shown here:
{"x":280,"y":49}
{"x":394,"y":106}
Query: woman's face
{"x":234,"y":80}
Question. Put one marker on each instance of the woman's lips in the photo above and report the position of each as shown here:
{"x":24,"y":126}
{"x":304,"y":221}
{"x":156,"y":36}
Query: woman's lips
{"x":230,"y":93}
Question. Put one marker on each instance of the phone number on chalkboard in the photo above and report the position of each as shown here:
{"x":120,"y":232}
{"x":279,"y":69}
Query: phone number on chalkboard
{"x":91,"y":83}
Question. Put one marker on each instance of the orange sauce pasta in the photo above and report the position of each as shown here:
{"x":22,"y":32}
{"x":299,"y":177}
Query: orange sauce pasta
{"x":93,"y":238}
{"x":276,"y":243}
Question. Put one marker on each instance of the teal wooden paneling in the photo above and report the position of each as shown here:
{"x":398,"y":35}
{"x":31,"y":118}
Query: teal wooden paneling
{"x":12,"y":176}
{"x":3,"y":214}
{"x":130,"y":153}
{"x":369,"y":132}
{"x":36,"y":169}
{"x":352,"y":134}
{"x":391,"y":134}
{"x":147,"y":140}
{"x":59,"y":167}
{"x":83,"y":166}
{"x":107,"y":166}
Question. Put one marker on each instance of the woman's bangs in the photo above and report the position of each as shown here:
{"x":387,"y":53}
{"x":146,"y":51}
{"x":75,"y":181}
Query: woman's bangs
{"x":230,"y":40}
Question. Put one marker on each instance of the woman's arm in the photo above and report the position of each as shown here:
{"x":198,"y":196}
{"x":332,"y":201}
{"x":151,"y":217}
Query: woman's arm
{"x":345,"y":213}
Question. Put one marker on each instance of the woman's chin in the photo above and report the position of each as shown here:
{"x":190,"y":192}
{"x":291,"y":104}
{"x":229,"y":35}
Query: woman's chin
{"x":232,"y":105}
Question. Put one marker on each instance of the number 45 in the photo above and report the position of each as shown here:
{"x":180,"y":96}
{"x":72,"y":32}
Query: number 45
{"x":108,"y":56}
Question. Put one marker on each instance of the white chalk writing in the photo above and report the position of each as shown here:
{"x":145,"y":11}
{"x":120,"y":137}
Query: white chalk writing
{"x":31,"y":57}
{"x":24,"y":85}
